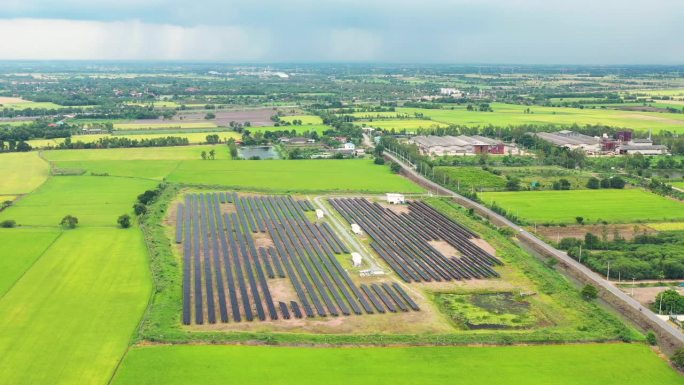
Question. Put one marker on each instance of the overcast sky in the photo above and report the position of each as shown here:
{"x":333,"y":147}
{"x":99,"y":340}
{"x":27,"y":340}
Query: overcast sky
{"x":425,"y":31}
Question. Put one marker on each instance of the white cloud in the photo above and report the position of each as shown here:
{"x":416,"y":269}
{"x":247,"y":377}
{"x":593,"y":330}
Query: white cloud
{"x":127,"y":40}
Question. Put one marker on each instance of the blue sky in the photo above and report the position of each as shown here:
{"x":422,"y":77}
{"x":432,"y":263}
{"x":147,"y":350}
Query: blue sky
{"x":426,"y":31}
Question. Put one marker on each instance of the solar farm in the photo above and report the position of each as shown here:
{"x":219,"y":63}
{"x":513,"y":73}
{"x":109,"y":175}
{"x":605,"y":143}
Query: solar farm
{"x":227,"y":268}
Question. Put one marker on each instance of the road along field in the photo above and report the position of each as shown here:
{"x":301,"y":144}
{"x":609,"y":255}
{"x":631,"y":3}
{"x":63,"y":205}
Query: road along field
{"x":513,"y":114}
{"x":613,"y":206}
{"x":34,"y":171}
{"x":611,"y":364}
{"x":95,"y":201}
{"x":70,"y":317}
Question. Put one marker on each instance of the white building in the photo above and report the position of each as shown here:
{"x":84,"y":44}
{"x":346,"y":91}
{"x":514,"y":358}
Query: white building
{"x":456,"y":93}
{"x":319,"y":214}
{"x":356,"y":229}
{"x":356,"y":259}
{"x":395,"y":199}
{"x":349,"y":146}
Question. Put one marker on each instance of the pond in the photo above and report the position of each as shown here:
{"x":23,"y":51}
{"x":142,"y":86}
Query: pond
{"x":263,"y":152}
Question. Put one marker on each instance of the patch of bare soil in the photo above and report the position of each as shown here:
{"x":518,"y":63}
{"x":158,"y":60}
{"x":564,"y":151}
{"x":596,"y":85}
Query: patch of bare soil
{"x":626,"y":231}
{"x":444,"y":248}
{"x":11,"y":100}
{"x":484,"y":245}
{"x":262,"y":240}
{"x":395,"y":208}
{"x":647,"y":295}
{"x":256,"y":117}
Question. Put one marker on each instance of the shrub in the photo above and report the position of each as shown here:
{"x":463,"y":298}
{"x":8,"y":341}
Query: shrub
{"x":593,"y":183}
{"x":651,"y":338}
{"x":678,"y":358}
{"x":395,"y":167}
{"x":69,"y":222}
{"x":139,"y":209}
{"x":124,"y":221}
{"x":617,"y":182}
{"x":8,"y":223}
{"x":379,"y":160}
{"x":589,"y":292}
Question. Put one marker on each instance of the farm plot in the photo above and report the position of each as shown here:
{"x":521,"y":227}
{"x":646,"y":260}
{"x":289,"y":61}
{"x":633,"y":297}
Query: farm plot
{"x":256,"y":117}
{"x":306,"y":119}
{"x":34,"y":171}
{"x":299,"y":130}
{"x":164,"y":125}
{"x":193,"y":137}
{"x":402,"y":124}
{"x":233,"y":245}
{"x":142,"y":153}
{"x":403,"y":241}
{"x":614,"y":206}
{"x":70,"y":317}
{"x":467,"y":178}
{"x":575,"y":364}
{"x":291,"y":176}
{"x":95,"y":201}
{"x":19,"y":249}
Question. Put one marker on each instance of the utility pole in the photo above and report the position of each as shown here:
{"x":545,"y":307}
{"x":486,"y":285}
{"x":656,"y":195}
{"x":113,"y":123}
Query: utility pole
{"x":608,"y":273}
{"x":633,"y":286}
{"x":580,"y":251}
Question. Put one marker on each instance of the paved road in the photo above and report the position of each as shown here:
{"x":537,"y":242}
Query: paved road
{"x":542,"y":246}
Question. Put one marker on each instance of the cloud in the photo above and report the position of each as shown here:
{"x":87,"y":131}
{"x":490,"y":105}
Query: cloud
{"x":127,"y":40}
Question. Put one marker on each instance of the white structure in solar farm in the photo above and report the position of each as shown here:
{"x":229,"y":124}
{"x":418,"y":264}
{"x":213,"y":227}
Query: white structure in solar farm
{"x":319,"y":214}
{"x":395,"y":199}
{"x":356,"y":229}
{"x":356,"y":259}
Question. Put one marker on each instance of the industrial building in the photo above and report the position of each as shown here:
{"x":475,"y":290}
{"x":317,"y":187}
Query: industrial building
{"x":457,"y":145}
{"x":622,"y":143}
{"x":572,"y":140}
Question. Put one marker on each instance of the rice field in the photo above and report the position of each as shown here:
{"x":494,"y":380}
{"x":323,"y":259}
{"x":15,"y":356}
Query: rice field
{"x":69,"y":318}
{"x":403,"y":124}
{"x":19,"y":250}
{"x":667,"y":226}
{"x":138,"y":153}
{"x":609,"y":364}
{"x":95,"y":201}
{"x":513,"y":114}
{"x":319,"y":128}
{"x":293,"y":176}
{"x":193,"y":138}
{"x":614,"y":206}
{"x":34,"y":171}
{"x":156,"y":124}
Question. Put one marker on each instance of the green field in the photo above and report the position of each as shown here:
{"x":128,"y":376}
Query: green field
{"x":19,"y":249}
{"x":466,"y":178}
{"x":138,"y":153}
{"x":70,"y":318}
{"x":614,"y":206}
{"x":319,"y":128}
{"x":193,"y":138}
{"x":287,"y":175}
{"x":513,"y":114}
{"x":403,"y":124}
{"x":610,"y":364}
{"x":34,"y":172}
{"x":306,"y":119}
{"x":678,"y":184}
{"x":95,"y":201}
{"x":163,"y":125}
{"x":146,"y":169}
{"x":665,"y":226}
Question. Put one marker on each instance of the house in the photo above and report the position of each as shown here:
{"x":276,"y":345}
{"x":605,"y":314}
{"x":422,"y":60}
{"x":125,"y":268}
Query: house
{"x":297,"y":141}
{"x":395,"y":199}
{"x":349,"y":146}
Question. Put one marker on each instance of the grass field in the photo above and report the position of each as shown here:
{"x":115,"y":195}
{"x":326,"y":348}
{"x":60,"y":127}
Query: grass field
{"x":610,"y":364}
{"x":666,"y":226}
{"x":193,"y":138}
{"x":287,"y":175}
{"x":471,"y":177}
{"x":19,"y":249}
{"x":319,"y":128}
{"x":170,"y":124}
{"x":678,"y":185}
{"x":146,"y":169}
{"x":513,"y":114}
{"x":141,"y":153}
{"x":306,"y":119}
{"x":70,"y":318}
{"x":614,"y":206}
{"x":34,"y":172}
{"x":95,"y":201}
{"x":403,"y":124}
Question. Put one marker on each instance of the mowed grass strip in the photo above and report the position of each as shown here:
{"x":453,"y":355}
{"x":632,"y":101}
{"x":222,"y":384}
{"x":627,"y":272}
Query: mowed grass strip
{"x":95,"y":201}
{"x":615,"y":206}
{"x":21,"y":172}
{"x":138,"y":153}
{"x":19,"y":249}
{"x":146,"y":169}
{"x":69,"y":319}
{"x":290,"y":176}
{"x":610,"y":364}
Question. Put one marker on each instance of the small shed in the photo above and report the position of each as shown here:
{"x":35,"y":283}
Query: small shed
{"x":356,"y":228}
{"x":356,"y":259}
{"x":319,"y":214}
{"x":395,"y":199}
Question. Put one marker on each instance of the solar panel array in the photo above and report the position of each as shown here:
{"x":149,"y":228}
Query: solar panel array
{"x":403,"y":241}
{"x":226,"y":275}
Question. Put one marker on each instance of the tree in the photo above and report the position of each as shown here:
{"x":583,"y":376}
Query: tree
{"x":617,"y":182}
{"x":579,"y":220}
{"x":8,"y":223}
{"x":212,"y":139}
{"x":69,"y":222}
{"x":513,"y":184}
{"x":212,"y":154}
{"x":295,"y":154}
{"x":562,"y":184}
{"x":395,"y":167}
{"x":678,"y":358}
{"x":651,"y":338}
{"x":589,"y":292}
{"x":139,"y":209}
{"x":124,"y":221}
{"x":591,"y":241}
{"x":147,"y":197}
{"x":210,"y":115}
{"x":204,"y":155}
{"x":379,"y":160}
{"x":593,"y":183}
